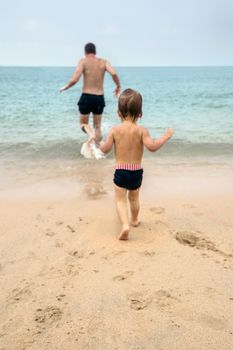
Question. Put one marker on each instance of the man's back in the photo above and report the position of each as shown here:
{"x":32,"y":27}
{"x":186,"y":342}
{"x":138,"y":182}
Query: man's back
{"x":93,"y":74}
{"x":92,"y":100}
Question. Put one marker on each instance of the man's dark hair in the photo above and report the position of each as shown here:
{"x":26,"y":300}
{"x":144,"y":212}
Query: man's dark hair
{"x":130,"y":104}
{"x":90,"y":48}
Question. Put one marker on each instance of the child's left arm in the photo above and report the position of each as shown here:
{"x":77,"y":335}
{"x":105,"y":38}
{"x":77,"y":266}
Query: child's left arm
{"x":106,"y":146}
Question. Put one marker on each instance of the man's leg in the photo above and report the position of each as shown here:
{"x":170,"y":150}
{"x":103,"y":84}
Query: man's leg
{"x":97,"y":126}
{"x":121,"y":204}
{"x":134,"y":206}
{"x":84,"y":120}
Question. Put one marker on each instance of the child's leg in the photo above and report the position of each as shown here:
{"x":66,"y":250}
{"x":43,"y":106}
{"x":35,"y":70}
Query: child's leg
{"x":134,"y":206}
{"x":121,"y":204}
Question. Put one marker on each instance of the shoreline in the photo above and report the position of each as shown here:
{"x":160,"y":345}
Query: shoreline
{"x":81,"y":171}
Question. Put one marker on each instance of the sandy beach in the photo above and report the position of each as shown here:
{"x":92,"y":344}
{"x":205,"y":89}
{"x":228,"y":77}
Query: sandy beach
{"x":68,"y":283}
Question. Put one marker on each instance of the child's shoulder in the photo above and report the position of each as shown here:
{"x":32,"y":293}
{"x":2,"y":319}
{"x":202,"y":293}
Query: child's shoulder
{"x":143,"y":129}
{"x":115,"y":128}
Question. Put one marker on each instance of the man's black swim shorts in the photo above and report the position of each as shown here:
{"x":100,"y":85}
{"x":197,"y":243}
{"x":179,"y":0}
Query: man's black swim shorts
{"x":90,"y":103}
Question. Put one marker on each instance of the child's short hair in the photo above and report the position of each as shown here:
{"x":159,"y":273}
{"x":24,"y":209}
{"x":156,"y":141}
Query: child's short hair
{"x":130,"y":104}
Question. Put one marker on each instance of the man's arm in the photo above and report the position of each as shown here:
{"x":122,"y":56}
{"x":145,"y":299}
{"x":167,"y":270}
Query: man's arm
{"x":75,"y":77}
{"x":106,"y":146}
{"x":115,"y":77}
{"x":153,"y":145}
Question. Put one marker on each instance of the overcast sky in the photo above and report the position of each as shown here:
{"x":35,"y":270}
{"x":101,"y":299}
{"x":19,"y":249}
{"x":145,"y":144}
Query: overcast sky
{"x":127,"y":32}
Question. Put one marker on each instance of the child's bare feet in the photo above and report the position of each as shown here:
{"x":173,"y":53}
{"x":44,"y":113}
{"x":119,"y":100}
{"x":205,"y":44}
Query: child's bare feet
{"x":135,"y":223}
{"x":124,"y":235}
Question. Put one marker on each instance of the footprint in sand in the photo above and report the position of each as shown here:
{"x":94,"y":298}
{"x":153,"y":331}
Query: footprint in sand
{"x":193,"y":240}
{"x":139,"y":300}
{"x":212,"y":322}
{"x":157,"y":210}
{"x":19,"y":294}
{"x":148,"y":253}
{"x":60,"y":297}
{"x":123,"y":276}
{"x":48,"y":315}
{"x":59,"y":223}
{"x":72,"y":270}
{"x":50,"y":233}
{"x":79,"y":254}
{"x":94,"y":190}
{"x":164,"y":298}
{"x":187,"y":238}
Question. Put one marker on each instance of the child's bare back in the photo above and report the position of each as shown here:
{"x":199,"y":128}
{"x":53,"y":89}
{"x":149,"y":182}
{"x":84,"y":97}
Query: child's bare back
{"x":128,"y":142}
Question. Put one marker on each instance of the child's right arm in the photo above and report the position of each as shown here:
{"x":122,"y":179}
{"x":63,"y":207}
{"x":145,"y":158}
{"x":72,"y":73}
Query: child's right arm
{"x":153,"y":145}
{"x":106,"y":146}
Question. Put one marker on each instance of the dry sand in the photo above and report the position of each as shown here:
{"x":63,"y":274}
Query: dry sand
{"x":68,"y":283}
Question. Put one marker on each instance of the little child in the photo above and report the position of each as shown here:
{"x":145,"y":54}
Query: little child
{"x":129,"y":140}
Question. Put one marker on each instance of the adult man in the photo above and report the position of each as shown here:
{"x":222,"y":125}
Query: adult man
{"x":92,"y":98}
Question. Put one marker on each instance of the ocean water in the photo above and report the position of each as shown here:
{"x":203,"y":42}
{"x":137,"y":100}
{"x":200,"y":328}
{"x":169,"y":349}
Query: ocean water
{"x":38,"y":124}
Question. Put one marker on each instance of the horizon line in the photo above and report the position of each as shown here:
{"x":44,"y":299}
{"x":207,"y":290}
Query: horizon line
{"x":120,"y":66}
